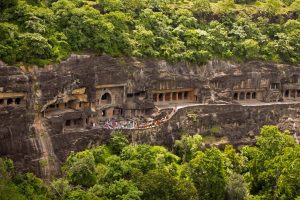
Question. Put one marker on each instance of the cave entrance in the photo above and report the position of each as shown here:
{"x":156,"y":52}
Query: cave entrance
{"x":68,"y":123}
{"x":168,"y":97}
{"x":242,"y":96}
{"x":106,"y":98}
{"x":174,"y":96}
{"x":18,"y":101}
{"x":161,"y":97}
{"x":180,"y":96}
{"x":275,"y":86}
{"x":10,"y":101}
{"x":287,"y":93}
{"x":248,"y":95}
{"x":235,"y":96}
{"x":186,"y":95}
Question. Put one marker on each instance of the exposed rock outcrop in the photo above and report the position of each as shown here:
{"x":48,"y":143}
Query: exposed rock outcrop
{"x":46,"y":113}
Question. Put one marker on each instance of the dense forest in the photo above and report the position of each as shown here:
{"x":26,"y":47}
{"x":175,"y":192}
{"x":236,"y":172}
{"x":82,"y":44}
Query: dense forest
{"x":44,"y":31}
{"x":124,"y":171}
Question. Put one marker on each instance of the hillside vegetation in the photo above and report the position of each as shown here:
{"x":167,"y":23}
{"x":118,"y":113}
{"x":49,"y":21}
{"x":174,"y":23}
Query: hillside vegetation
{"x":122,"y":171}
{"x":45,"y":31}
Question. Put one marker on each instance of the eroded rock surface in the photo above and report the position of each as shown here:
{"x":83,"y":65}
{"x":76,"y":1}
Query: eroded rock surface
{"x":46,"y":113}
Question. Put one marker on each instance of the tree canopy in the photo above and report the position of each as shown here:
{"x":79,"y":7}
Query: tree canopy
{"x":119,"y":170}
{"x":45,"y":31}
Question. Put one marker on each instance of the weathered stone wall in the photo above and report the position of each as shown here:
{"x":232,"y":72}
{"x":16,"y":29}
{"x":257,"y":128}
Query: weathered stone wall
{"x":31,"y":138}
{"x":17,"y":136}
{"x":238,"y":124}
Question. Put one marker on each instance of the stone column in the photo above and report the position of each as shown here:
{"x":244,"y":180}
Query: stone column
{"x":124,"y":94}
{"x":164,"y":97}
{"x":238,"y":96}
{"x":176,"y":96}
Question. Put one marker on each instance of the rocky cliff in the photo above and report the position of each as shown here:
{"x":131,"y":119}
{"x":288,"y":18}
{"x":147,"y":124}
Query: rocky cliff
{"x":231,"y":103}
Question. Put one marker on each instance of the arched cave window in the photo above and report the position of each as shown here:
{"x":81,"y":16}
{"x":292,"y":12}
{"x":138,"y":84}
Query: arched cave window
{"x":106,"y":98}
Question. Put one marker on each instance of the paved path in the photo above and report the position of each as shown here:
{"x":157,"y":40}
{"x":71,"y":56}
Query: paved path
{"x":258,"y":103}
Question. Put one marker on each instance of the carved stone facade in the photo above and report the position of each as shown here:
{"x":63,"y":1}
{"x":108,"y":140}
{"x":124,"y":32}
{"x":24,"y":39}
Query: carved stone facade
{"x":46,"y":113}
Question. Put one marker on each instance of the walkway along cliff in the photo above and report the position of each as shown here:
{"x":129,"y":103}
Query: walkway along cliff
{"x":47,"y":112}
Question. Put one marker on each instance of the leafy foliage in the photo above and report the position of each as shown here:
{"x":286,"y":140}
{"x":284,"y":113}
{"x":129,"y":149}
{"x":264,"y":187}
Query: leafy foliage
{"x":269,"y":170}
{"x":44,"y":31}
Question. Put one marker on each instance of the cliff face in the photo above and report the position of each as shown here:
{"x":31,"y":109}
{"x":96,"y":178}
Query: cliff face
{"x":46,"y":113}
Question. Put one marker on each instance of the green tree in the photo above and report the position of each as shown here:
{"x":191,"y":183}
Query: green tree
{"x":188,"y":146}
{"x":60,"y":189}
{"x":119,"y":190}
{"x":270,"y":163}
{"x":208,"y":172}
{"x":8,"y":190}
{"x":237,"y":162}
{"x":272,"y":7}
{"x":236,"y":188}
{"x":202,"y":7}
{"x":80,"y":169}
{"x":7,"y":4}
{"x":247,"y":49}
{"x":123,"y":189}
{"x":79,"y":194}
{"x":31,"y":186}
{"x":117,"y":142}
{"x":159,"y":184}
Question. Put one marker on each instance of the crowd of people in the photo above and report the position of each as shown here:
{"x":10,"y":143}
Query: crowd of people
{"x":137,"y":124}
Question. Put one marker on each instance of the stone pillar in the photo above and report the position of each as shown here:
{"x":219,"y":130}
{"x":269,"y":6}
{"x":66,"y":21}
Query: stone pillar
{"x":164,"y":97}
{"x":251,"y":95}
{"x":5,"y":102}
{"x":238,"y":96}
{"x":176,"y":96}
{"x":84,"y":122}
